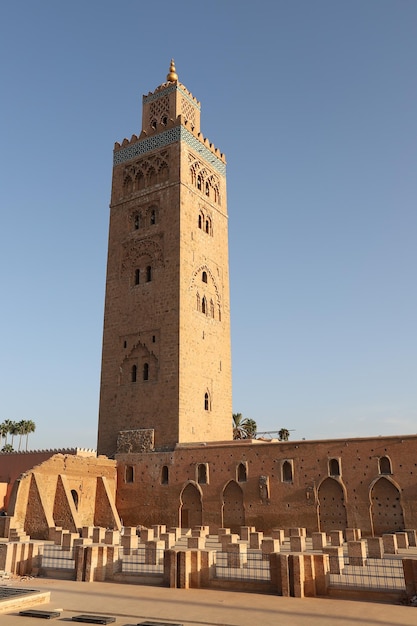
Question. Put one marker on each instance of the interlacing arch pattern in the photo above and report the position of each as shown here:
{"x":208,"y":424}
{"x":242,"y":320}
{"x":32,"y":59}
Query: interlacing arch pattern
{"x":204,"y":180}
{"x":206,"y":302}
{"x":143,"y":218}
{"x":159,"y":111}
{"x":146,"y":173}
{"x":188,"y":111}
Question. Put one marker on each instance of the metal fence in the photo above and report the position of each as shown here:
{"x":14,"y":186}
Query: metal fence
{"x":377,"y":574}
{"x":55,"y":557}
{"x":142,"y":561}
{"x":253,"y":567}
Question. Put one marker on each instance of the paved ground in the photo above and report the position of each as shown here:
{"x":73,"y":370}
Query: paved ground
{"x":132,"y":604}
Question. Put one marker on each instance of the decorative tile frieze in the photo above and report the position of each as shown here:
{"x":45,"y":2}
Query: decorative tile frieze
{"x":179,"y":133}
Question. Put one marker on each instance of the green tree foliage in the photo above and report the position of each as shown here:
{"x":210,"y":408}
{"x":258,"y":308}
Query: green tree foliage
{"x":243,"y":428}
{"x":22,"y":429}
{"x":283,"y":434}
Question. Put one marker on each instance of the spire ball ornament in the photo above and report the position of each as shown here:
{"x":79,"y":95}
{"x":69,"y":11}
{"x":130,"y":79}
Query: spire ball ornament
{"x":172,"y":77}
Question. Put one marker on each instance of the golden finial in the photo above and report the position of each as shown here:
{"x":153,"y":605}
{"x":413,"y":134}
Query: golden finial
{"x":172,"y":77}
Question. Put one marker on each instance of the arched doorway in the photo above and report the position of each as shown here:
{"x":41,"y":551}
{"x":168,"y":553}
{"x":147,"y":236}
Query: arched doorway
{"x":386,"y":510}
{"x":332,"y":511}
{"x":233,"y":509}
{"x":191,"y":511}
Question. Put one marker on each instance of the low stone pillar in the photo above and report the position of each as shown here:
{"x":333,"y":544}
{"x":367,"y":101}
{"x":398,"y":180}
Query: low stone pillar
{"x":113,"y":561}
{"x":278,"y":533}
{"x":321,"y":573}
{"x":297,"y":532}
{"x":237,"y":554}
{"x":226,"y":540}
{"x":196,"y":543}
{"x":198,"y":532}
{"x":245,"y":532}
{"x":170,"y":569}
{"x":79,"y":558}
{"x":296,"y":562}
{"x":336,"y":538}
{"x":176,"y":530}
{"x":223,"y":531}
{"x":297,"y":543}
{"x":410,"y":576}
{"x":390,"y":543}
{"x":112,"y":537}
{"x":280,"y":573}
{"x":55,"y":534}
{"x":357,"y":552}
{"x":98,"y":534}
{"x":268,"y":546}
{"x":68,"y":541}
{"x":255,"y":540}
{"x":375,"y":547}
{"x":336,"y":560}
{"x":87,"y":532}
{"x":158,"y":530}
{"x":183,"y":569}
{"x":153,"y":550}
{"x":168,"y":539}
{"x":319,"y":540}
{"x":402,"y":540}
{"x":412,"y":537}
{"x":129,"y":543}
{"x":309,"y":576}
{"x":146,"y":534}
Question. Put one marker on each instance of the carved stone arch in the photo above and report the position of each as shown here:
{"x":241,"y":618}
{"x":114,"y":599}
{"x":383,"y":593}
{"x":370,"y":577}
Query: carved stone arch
{"x":386,"y":509}
{"x":138,"y":356}
{"x":128,"y":184}
{"x":190,"y":512}
{"x":232,"y":506}
{"x":134,"y":251}
{"x":151,"y":177}
{"x":331,"y":496}
{"x":163,"y":172}
{"x":198,"y":272}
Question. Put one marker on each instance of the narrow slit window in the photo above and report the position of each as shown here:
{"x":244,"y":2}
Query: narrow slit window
{"x":137,"y":277}
{"x":134,"y":373}
{"x":148,"y":274}
{"x":146,"y":371}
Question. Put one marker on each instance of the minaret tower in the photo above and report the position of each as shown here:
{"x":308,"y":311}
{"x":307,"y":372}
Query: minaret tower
{"x":166,"y":364}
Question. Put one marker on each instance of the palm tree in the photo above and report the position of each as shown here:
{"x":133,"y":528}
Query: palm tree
{"x":243,"y":428}
{"x":7,"y":425}
{"x":283,"y":434}
{"x":7,"y":448}
{"x":21,"y":430}
{"x":30,"y":428}
{"x":4,"y":431}
{"x":13,"y":431}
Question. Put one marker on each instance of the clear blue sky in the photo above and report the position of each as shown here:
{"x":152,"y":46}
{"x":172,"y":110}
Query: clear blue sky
{"x":314,"y":105}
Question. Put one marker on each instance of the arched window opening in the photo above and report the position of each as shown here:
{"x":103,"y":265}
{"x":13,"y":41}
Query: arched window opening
{"x":242,"y":473}
{"x":204,"y":305}
{"x":152,"y":176}
{"x":220,"y":314}
{"x":75,"y":497}
{"x":204,"y":277}
{"x":164,"y":475}
{"x":129,"y":474}
{"x":152,"y":219}
{"x":287,"y":472}
{"x":206,"y":402}
{"x":140,"y":181}
{"x":137,"y":277}
{"x":199,"y":181}
{"x":128,"y":185}
{"x":202,"y":474}
{"x":146,"y":371}
{"x":334,"y":467}
{"x":165,"y":120}
{"x":212,"y":309}
{"x":137,"y":221}
{"x":207,"y":189}
{"x":198,"y":302}
{"x":207,"y":229}
{"x":134,"y":373}
{"x":385,"y":465}
{"x":148,"y":274}
{"x":153,"y":124}
{"x":200,"y":221}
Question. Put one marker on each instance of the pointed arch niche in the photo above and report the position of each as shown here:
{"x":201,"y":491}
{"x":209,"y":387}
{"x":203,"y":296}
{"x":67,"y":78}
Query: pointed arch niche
{"x":386,"y":509}
{"x":233,"y":510}
{"x":191,"y":508}
{"x":332,"y":507}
